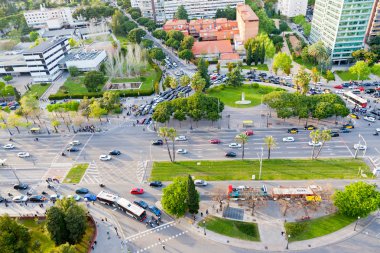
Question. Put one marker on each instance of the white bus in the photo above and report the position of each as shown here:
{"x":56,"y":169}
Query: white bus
{"x":131,"y":209}
{"x":107,"y":198}
{"x":361,"y":102}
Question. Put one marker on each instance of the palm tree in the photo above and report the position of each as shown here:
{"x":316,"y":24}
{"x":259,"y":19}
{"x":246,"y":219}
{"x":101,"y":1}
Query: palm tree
{"x":271,"y":143}
{"x":302,"y":79}
{"x":164,"y":133}
{"x":315,"y":76}
{"x":315,"y":136}
{"x":325,"y":136}
{"x":318,"y":51}
{"x":243,"y":139}
{"x":172,"y":133}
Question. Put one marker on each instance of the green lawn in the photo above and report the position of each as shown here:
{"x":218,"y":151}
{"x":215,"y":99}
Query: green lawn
{"x":263,"y":67}
{"x":304,"y":230}
{"x":307,"y":65}
{"x":229,"y":95}
{"x":147,"y":79}
{"x":274,"y":169}
{"x":376,"y":69}
{"x":347,"y":76}
{"x":232,"y":228}
{"x":37,"y":89}
{"x":74,"y":85}
{"x":39,"y":232}
{"x":76,"y":173}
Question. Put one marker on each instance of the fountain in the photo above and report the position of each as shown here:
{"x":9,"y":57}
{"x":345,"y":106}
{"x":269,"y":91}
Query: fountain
{"x":243,"y":101}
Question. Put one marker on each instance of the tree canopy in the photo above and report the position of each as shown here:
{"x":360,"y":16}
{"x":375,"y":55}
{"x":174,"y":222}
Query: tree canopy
{"x":93,"y":79}
{"x":181,"y":13}
{"x":14,"y":237}
{"x":361,"y":69}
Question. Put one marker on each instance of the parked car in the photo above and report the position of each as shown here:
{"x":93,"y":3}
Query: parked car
{"x":344,"y":130}
{"x":181,"y":138}
{"x":155,"y":184}
{"x":23,"y":154}
{"x":288,"y":139}
{"x":334,"y":134}
{"x":82,"y":191}
{"x":234,"y":145}
{"x":105,"y":157}
{"x":369,"y":118}
{"x":157,"y":142}
{"x":20,"y":186}
{"x":293,"y":130}
{"x":348,"y":126}
{"x":115,"y":152}
{"x":230,"y":154}
{"x":137,"y":191}
{"x":200,"y":182}
{"x":215,"y":141}
{"x":353,"y":115}
{"x":154,"y":210}
{"x":141,"y":203}
{"x":37,"y":198}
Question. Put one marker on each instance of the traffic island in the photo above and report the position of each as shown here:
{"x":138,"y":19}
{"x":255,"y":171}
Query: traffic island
{"x":76,"y":173}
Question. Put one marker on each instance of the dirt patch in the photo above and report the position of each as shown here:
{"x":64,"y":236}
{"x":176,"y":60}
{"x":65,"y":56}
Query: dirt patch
{"x":296,"y":44}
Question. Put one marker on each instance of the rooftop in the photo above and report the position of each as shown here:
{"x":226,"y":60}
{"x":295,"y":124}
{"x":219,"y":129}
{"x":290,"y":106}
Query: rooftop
{"x":44,"y":46}
{"x":229,"y":56}
{"x":246,"y":12}
{"x":57,"y":33}
{"x":81,"y":55}
{"x":11,"y":58}
{"x":292,"y":191}
{"x":173,"y":22}
{"x":212,"y":47}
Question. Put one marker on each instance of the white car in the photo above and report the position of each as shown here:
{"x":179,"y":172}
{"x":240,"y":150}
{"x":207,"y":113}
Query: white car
{"x":377,"y":129}
{"x":105,"y":157}
{"x":315,"y":144}
{"x":181,"y":138}
{"x":23,"y":154}
{"x":9,"y":146}
{"x":369,"y":118}
{"x":181,"y":151}
{"x":75,"y":197}
{"x":241,"y":187}
{"x":360,"y":146}
{"x":21,"y":198}
{"x":75,"y":143}
{"x":199,"y":182}
{"x":288,"y":139}
{"x":339,"y":91}
{"x":234,"y":145}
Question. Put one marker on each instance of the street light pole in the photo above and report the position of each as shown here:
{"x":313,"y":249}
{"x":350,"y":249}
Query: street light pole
{"x":261,"y":161}
{"x":356,"y":223}
{"x":287,"y":242}
{"x":204,"y":227}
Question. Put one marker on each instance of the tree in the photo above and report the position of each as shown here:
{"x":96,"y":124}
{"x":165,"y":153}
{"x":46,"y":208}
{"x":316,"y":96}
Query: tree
{"x":198,"y":83}
{"x":186,"y":54}
{"x":318,"y":52}
{"x":315,"y":75}
{"x":271,"y":143}
{"x":180,"y":116}
{"x":181,"y":13}
{"x":184,"y":80}
{"x":72,"y":43}
{"x":157,"y":54}
{"x":76,"y":222}
{"x":243,"y":139}
{"x":283,"y":26}
{"x":192,"y":196}
{"x":249,"y":57}
{"x":176,"y":35}
{"x":147,"y":43}
{"x":162,"y":113}
{"x":315,"y":136}
{"x":283,"y":62}
{"x":228,"y":13}
{"x":357,"y":199}
{"x":136,"y":35}
{"x":15,"y":121}
{"x":302,"y":80}
{"x":55,"y":123}
{"x":30,"y":106}
{"x":74,"y":71}
{"x":96,"y":110}
{"x":56,"y":225}
{"x":167,"y":81}
{"x":164,"y":133}
{"x":64,"y":248}
{"x":93,"y":79}
{"x":202,"y":68}
{"x":160,"y":34}
{"x":34,"y":35}
{"x":175,"y":195}
{"x":173,"y":83}
{"x":187,"y":42}
{"x":325,"y":136}
{"x":361,"y":69}
{"x":14,"y":237}
{"x":218,"y":67}
{"x":235,"y":78}
{"x":7,"y":78}
{"x":330,"y":76}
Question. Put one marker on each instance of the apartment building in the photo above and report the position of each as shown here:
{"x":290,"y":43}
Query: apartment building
{"x":292,"y":8}
{"x":374,"y":21}
{"x":51,"y":18}
{"x":248,"y":23}
{"x":42,"y":60}
{"x":162,"y":10}
{"x":341,"y":25}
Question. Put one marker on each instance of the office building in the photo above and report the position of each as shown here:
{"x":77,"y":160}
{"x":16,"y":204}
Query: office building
{"x":162,"y":10}
{"x":83,"y":60}
{"x":374,"y":21}
{"x":292,"y":8}
{"x":341,"y":25}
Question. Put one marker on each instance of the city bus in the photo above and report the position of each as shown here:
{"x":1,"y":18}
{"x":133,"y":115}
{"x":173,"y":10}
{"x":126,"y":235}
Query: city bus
{"x":107,"y":198}
{"x":355,"y":99}
{"x":131,"y":209}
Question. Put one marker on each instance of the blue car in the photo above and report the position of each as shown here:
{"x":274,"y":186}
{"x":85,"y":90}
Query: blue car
{"x":155,"y":210}
{"x":90,"y":197}
{"x":141,"y":203}
{"x":82,"y":191}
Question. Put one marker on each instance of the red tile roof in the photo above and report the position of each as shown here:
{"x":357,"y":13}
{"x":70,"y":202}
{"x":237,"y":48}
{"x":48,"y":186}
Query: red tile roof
{"x":212,"y":47}
{"x":229,"y":56}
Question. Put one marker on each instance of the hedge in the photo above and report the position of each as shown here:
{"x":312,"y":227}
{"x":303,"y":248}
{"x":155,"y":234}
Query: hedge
{"x":123,"y":93}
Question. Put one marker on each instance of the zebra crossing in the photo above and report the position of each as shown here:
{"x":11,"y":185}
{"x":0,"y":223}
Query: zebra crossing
{"x":92,"y":175}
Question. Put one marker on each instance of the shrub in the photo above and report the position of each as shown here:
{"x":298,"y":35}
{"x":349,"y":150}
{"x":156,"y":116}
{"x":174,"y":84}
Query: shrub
{"x":295,"y":228}
{"x":43,"y":84}
{"x":255,"y":85}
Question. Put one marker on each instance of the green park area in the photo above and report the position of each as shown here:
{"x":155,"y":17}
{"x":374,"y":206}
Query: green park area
{"x":40,"y":236}
{"x":147,"y":79}
{"x":74,"y":85}
{"x":232,"y":228}
{"x":229,"y":95}
{"x":38,"y":89}
{"x":305,"y":230}
{"x":376,"y":69}
{"x":274,"y":169}
{"x":348,"y":76}
{"x":76,"y":173}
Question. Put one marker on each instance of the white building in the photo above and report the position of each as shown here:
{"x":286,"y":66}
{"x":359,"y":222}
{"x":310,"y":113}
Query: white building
{"x":43,"y":59}
{"x":292,"y":8}
{"x":51,"y":18}
{"x":13,"y":63}
{"x":83,"y":60}
{"x":341,"y":25}
{"x":162,"y":10}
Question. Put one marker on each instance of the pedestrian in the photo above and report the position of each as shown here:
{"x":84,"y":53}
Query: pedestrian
{"x":106,"y":218}
{"x":92,"y":247}
{"x":163,"y":246}
{"x":206,"y":211}
{"x":282,"y":233}
{"x":95,"y":242}
{"x":201,"y":214}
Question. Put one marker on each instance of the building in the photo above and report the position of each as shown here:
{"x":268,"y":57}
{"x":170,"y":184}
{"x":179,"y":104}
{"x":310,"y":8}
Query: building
{"x":212,"y":50}
{"x":178,"y":25}
{"x":341,"y":25}
{"x":13,"y":63}
{"x":83,"y":60}
{"x":52,"y":18}
{"x":292,"y":8}
{"x":42,"y":60}
{"x":374,"y":21}
{"x":248,"y":24}
{"x":162,"y":10}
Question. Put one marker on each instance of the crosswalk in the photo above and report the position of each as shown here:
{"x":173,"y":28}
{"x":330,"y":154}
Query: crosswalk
{"x":92,"y":175}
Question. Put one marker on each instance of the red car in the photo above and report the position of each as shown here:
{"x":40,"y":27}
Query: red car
{"x":339,"y":86}
{"x":137,"y":191}
{"x":215,"y":141}
{"x":249,"y":132}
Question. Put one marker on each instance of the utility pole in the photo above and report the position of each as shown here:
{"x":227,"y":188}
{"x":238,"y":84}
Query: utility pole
{"x":261,"y":161}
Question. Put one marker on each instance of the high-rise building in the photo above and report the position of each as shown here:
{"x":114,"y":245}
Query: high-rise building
{"x":292,"y":8}
{"x":341,"y":25}
{"x":374,"y":21}
{"x":162,"y":10}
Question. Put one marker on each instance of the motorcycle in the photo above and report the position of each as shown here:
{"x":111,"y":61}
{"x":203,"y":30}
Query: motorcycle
{"x":102,"y":185}
{"x":63,"y":154}
{"x":376,"y":133}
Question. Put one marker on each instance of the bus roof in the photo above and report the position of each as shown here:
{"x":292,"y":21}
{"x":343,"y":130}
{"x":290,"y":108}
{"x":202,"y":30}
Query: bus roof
{"x":350,"y":94}
{"x":107,"y":196}
{"x":130,"y":206}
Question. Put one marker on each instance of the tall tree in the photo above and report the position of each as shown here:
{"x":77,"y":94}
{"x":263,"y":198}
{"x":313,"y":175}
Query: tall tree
{"x":30,"y":105}
{"x":164,"y":133}
{"x":198,"y":83}
{"x":181,"y":13}
{"x":218,"y":67}
{"x":361,"y":69}
{"x":330,"y":76}
{"x":56,"y":225}
{"x":315,"y":76}
{"x":96,"y":110}
{"x":283,"y":62}
{"x":235,"y":78}
{"x":203,"y":71}
{"x":249,"y":57}
{"x":184,"y":80}
{"x":325,"y":137}
{"x":186,"y":54}
{"x":136,"y":35}
{"x":14,"y":237}
{"x":318,"y":51}
{"x":271,"y":143}
{"x":172,"y":134}
{"x":175,"y":196}
{"x":315,"y":137}
{"x":76,"y":222}
{"x":302,"y":80}
{"x":94,"y":79}
{"x":243,"y":139}
{"x":192,"y":196}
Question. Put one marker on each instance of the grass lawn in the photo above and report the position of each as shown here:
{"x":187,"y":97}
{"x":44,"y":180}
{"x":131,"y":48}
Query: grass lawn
{"x":274,"y":169}
{"x":263,"y":67}
{"x":304,"y":230}
{"x":37,"y":89}
{"x":305,"y":64}
{"x":347,"y":76}
{"x":76,"y":173}
{"x":376,"y":69}
{"x":229,"y":95}
{"x":148,"y":79}
{"x":232,"y":228}
{"x":74,"y":85}
{"x":39,"y":232}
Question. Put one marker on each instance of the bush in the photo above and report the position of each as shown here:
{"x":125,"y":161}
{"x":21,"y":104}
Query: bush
{"x":255,"y":85}
{"x":295,"y":228}
{"x":43,"y":84}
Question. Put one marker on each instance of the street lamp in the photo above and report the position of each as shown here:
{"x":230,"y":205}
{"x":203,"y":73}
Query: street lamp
{"x":356,"y":223}
{"x":204,"y":227}
{"x":228,"y":117}
{"x":287,"y":242}
{"x":267,"y":119}
{"x":260,"y":156}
